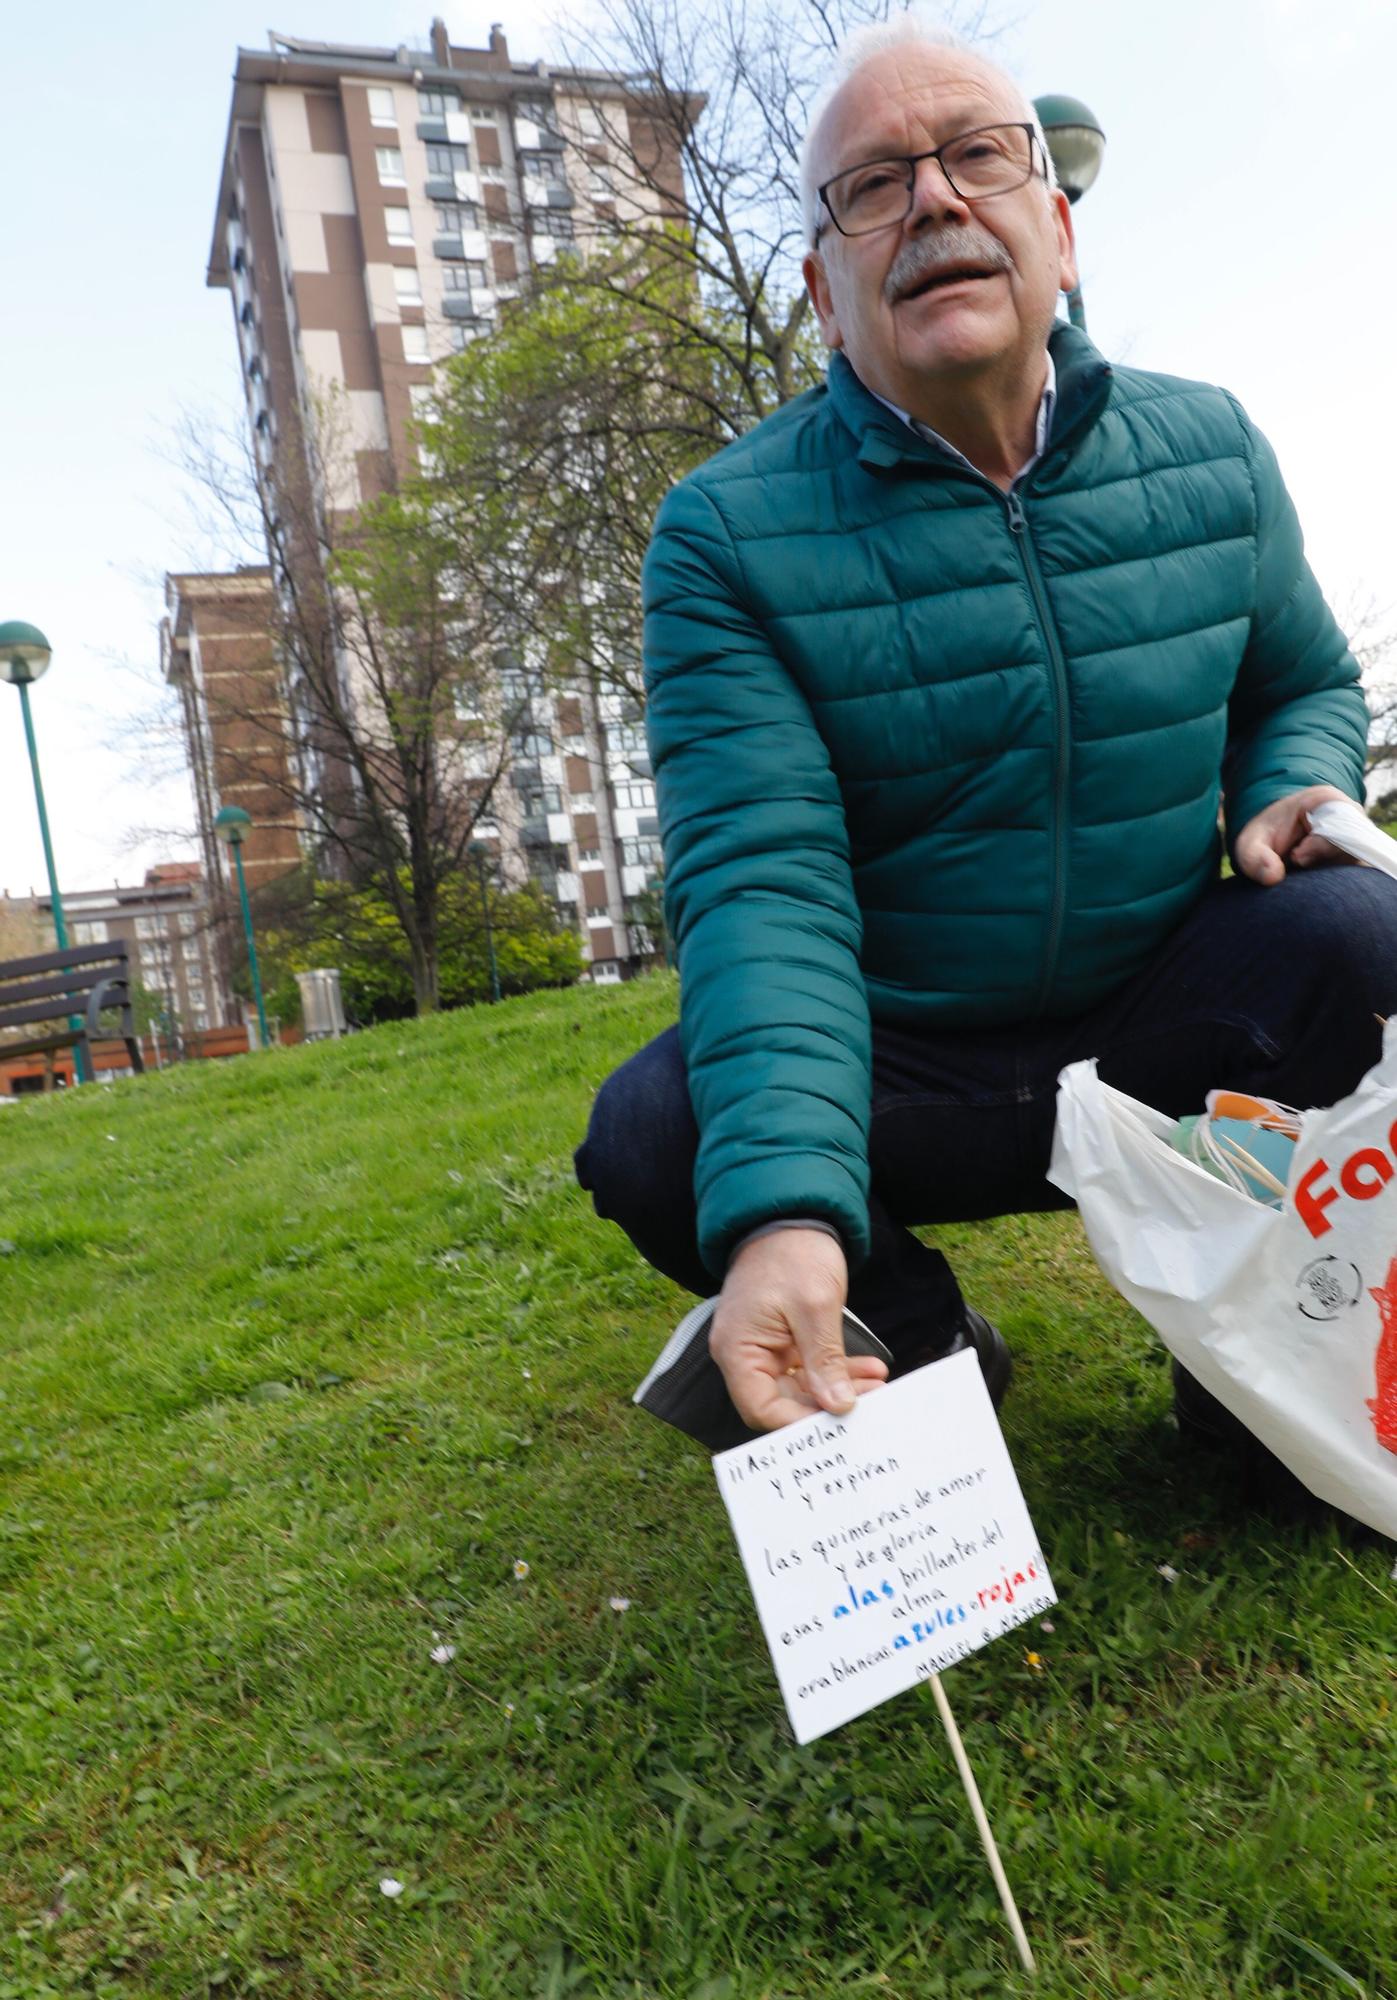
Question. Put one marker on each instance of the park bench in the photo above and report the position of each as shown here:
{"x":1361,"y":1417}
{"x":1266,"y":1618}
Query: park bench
{"x":87,"y":980}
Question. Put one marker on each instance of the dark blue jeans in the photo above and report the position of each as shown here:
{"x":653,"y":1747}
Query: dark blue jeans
{"x":1273,"y":990}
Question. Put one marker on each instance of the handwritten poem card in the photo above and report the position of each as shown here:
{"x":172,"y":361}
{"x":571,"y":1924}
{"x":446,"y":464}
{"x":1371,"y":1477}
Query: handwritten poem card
{"x":883,"y":1546}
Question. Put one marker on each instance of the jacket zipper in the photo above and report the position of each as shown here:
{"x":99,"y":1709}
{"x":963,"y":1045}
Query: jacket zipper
{"x":1018,"y":527}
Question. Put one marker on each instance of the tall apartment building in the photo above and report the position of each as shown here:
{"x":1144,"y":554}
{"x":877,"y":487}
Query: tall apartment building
{"x":377,"y":207}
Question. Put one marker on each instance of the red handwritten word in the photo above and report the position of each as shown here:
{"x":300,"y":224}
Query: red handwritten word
{"x":1384,"y":1404}
{"x":1362,"y":1175}
{"x":1004,"y":1592}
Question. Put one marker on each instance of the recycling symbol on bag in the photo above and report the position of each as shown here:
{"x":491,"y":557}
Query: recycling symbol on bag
{"x":1326,"y":1286}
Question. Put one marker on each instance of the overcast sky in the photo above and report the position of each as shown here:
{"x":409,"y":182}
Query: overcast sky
{"x":1244,"y":230}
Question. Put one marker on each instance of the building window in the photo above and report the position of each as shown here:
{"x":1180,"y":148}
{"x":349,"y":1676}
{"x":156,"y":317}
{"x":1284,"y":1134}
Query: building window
{"x":462,"y":277}
{"x":554,"y":222}
{"x":420,"y":395}
{"x":190,"y":948}
{"x":539,"y":111}
{"x":639,"y":795}
{"x":483,"y":114}
{"x":454,"y":218}
{"x":399,"y":223}
{"x":599,"y":182}
{"x":407,"y":285}
{"x":445,"y":162}
{"x":641,"y":853}
{"x":533,"y":805}
{"x":438,"y":103}
{"x":149,"y":927}
{"x":543,"y":167}
{"x":93,"y":933}
{"x":201,"y":1018}
{"x":415,"y":344}
{"x":589,"y":857}
{"x":589,"y":121}
{"x":390,"y":166}
{"x":381,"y":110}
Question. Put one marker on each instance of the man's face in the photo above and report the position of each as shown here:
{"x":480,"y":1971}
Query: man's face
{"x":902,"y":339}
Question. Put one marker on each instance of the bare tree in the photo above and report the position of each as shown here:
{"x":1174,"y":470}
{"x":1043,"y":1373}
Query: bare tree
{"x":400,"y":691}
{"x":1372,"y":634}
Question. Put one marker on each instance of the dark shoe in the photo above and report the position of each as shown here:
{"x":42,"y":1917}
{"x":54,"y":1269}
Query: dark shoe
{"x":996,"y":1362}
{"x":1209,"y":1425}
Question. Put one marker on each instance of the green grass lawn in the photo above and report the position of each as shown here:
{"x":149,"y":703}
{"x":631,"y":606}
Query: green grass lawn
{"x":303,"y":1354}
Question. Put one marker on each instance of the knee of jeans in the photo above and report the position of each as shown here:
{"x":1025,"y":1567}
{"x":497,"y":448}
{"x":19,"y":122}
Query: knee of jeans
{"x":641,"y":1139}
{"x":1345,"y":925}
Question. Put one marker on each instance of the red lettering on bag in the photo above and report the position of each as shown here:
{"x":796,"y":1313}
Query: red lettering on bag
{"x":1354,"y":1177}
{"x":1310,"y":1207}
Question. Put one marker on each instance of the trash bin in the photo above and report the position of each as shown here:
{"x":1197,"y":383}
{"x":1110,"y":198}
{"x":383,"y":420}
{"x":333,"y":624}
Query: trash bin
{"x":322,"y":1010}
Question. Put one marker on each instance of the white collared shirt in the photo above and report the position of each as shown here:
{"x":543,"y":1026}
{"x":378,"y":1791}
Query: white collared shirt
{"x":1040,"y":438}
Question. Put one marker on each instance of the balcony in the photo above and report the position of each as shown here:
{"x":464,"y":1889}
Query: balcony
{"x":459,"y":305}
{"x":449,"y":247}
{"x":433,"y":129}
{"x":534,"y":833}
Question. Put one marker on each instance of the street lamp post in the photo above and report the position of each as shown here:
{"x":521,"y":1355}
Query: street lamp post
{"x":24,"y":656}
{"x":478,"y":856}
{"x":231,"y":825}
{"x":1076,"y":143}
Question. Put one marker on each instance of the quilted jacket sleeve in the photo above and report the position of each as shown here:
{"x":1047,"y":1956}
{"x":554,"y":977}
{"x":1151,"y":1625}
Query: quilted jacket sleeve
{"x":1297,"y":715}
{"x":759,"y":899}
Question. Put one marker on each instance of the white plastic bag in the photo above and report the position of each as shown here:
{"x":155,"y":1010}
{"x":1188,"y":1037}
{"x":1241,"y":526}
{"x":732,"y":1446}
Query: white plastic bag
{"x":1288,"y":1316}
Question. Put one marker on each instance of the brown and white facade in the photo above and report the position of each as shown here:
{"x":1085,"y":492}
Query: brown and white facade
{"x":377,"y":208}
{"x":216,"y":652}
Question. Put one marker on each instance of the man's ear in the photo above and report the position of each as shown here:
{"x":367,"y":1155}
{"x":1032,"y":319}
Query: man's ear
{"x":1066,"y":241}
{"x":817,"y":284}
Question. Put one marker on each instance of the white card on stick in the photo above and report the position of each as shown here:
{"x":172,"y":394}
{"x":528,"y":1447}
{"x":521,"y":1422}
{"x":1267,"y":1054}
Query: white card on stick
{"x":883,"y":1546}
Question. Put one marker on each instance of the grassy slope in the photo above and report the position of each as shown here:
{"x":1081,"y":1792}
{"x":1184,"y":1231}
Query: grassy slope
{"x":300,"y":1355}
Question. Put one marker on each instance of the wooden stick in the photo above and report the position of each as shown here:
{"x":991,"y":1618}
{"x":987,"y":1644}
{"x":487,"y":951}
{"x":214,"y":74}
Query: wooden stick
{"x":972,"y":1792}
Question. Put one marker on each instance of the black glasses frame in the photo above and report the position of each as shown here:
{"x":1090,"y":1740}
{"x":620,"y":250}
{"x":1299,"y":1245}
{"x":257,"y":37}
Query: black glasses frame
{"x":911,"y":161}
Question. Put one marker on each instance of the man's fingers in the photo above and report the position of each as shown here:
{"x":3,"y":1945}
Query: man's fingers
{"x":1258,"y":860}
{"x":789,"y":1398}
{"x":1314,"y":851}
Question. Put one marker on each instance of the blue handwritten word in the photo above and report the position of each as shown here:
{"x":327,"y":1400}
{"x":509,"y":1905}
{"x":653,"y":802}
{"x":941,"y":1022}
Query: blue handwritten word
{"x":858,"y":1601}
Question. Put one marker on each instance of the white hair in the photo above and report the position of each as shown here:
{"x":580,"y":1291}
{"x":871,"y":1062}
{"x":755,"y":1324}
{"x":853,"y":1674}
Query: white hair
{"x":909,"y":29}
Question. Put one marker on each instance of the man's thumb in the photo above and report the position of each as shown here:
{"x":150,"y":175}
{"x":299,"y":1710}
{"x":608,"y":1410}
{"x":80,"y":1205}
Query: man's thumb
{"x":827,"y":1372}
{"x":1260,"y":862}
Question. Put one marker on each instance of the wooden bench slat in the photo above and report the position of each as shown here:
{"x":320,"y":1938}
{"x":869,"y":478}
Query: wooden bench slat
{"x":45,"y":1010}
{"x":23,"y":991}
{"x":46,"y":1044}
{"x":57,"y":961}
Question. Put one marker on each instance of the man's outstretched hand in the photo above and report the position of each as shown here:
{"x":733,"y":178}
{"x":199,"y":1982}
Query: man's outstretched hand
{"x":1280,"y":834}
{"x":778,"y":1332}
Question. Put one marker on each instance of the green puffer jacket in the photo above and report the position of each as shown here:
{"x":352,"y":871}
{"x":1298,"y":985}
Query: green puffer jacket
{"x":946,"y":756}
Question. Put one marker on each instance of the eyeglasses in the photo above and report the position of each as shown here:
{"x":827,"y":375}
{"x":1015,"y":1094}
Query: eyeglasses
{"x":996,"y":159}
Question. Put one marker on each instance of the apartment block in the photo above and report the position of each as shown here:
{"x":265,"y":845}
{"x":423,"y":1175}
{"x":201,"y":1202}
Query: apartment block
{"x":170,"y":927}
{"x":216,"y":652}
{"x":378,"y":207}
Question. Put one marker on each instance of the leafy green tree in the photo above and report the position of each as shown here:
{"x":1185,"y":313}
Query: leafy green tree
{"x":312,"y":923}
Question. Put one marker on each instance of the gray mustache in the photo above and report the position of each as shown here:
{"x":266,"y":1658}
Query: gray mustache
{"x":959,"y":243}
